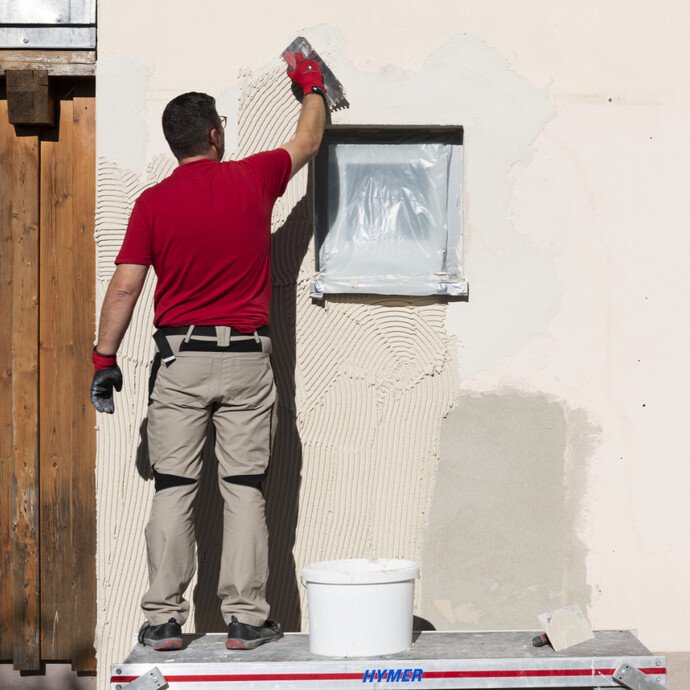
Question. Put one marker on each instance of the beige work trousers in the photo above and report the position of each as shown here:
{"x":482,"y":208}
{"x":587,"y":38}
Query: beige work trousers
{"x":237,"y":391}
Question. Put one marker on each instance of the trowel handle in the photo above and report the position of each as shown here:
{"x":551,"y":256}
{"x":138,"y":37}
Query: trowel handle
{"x":540,"y":640}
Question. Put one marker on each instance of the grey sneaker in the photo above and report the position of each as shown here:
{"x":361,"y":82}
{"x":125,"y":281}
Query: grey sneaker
{"x":245,"y":636}
{"x":162,"y":637}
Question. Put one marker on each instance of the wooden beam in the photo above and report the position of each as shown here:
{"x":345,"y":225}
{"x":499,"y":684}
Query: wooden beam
{"x":30,"y":98}
{"x":58,"y":63}
{"x":57,"y":390}
{"x":67,"y":435}
{"x":6,"y":454}
{"x":83,"y":289}
{"x":22,"y":190}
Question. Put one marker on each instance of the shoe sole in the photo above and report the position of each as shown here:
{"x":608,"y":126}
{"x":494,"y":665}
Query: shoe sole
{"x":234,"y":643}
{"x":168,"y":645}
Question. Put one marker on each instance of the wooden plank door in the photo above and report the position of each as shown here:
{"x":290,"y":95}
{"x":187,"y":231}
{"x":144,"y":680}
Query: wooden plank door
{"x":47,"y":277}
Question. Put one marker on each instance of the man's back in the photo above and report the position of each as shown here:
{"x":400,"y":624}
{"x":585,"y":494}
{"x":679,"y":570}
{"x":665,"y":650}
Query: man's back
{"x":206,"y":231}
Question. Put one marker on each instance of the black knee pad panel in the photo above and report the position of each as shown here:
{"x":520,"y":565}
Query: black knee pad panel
{"x":167,"y":481}
{"x":254,"y":480}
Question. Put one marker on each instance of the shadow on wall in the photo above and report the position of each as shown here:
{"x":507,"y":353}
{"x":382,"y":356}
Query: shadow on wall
{"x":289,"y":246}
{"x":514,"y":470}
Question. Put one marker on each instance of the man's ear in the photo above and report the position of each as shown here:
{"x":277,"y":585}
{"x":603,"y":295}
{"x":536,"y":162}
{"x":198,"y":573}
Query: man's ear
{"x":216,"y":142}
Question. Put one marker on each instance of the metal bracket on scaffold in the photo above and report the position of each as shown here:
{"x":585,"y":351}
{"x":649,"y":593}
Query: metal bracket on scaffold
{"x":629,"y":677}
{"x":152,"y":680}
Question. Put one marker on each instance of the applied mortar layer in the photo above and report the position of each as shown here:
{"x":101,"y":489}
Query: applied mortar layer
{"x":364,"y":383}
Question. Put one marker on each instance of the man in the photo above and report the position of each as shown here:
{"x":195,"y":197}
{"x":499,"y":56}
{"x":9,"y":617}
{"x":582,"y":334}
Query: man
{"x":206,"y":231}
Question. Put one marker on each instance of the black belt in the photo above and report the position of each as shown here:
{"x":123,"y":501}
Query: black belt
{"x":209,"y":331}
{"x":249,"y":342}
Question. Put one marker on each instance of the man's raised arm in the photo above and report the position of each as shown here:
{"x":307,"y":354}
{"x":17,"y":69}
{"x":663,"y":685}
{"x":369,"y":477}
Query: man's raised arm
{"x":312,"y":119}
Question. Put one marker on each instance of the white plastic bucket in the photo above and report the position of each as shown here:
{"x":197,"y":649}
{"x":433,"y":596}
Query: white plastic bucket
{"x":360,"y":607}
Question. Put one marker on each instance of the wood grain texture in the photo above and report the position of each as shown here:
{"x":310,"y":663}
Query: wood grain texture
{"x":6,"y":455}
{"x":58,"y":63}
{"x":23,"y":196}
{"x":68,"y":510}
{"x":30,"y":97}
{"x":84,"y":419}
{"x":57,"y":390}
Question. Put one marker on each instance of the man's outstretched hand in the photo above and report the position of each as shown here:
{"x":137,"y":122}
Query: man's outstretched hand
{"x":305,"y":73}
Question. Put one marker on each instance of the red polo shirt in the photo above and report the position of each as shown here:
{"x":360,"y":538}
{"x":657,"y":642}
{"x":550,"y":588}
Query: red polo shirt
{"x":206,"y":230}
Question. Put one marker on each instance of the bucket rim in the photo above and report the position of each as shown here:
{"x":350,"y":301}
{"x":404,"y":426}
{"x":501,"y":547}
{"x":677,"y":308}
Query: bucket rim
{"x":360,"y":571}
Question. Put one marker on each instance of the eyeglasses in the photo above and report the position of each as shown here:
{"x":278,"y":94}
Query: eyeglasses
{"x":223,"y":121}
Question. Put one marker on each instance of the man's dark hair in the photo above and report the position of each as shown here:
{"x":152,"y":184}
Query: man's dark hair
{"x":187,"y":122}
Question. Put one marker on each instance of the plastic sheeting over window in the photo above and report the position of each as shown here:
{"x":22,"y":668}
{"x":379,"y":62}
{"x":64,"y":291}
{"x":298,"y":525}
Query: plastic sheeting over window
{"x":388,"y":217}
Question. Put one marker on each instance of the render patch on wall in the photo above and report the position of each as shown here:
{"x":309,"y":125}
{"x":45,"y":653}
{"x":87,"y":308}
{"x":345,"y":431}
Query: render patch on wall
{"x":122,"y":117}
{"x":502,"y":542}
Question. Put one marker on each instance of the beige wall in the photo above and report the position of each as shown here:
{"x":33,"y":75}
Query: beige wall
{"x":529,"y":447}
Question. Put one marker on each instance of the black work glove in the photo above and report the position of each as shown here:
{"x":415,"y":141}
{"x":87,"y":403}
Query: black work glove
{"x":104,"y":380}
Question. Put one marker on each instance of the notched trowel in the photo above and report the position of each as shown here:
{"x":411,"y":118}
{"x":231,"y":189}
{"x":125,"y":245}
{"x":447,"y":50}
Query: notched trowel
{"x":335,"y":94}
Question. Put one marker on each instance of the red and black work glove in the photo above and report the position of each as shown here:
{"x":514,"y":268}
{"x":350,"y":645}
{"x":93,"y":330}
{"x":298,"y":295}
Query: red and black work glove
{"x":305,"y":73}
{"x":107,"y":375}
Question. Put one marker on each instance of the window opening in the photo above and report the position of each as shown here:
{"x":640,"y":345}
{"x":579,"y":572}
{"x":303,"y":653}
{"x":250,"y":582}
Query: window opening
{"x":388,"y":211}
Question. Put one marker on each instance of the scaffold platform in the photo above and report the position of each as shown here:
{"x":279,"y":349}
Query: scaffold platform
{"x":436,"y":661}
